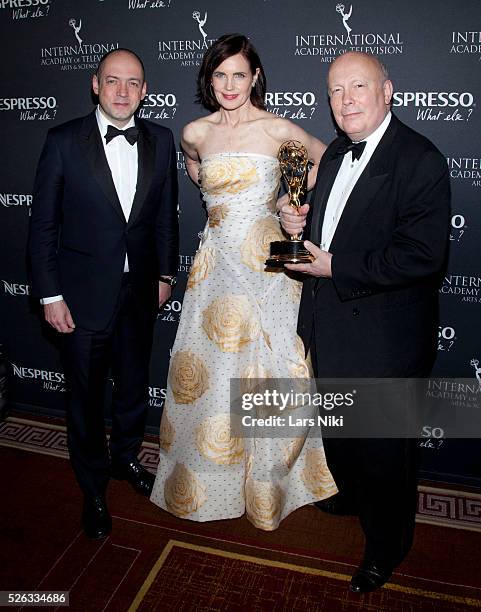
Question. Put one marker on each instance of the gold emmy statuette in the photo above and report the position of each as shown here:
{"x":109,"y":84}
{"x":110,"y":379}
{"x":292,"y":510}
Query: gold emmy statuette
{"x":293,"y":161}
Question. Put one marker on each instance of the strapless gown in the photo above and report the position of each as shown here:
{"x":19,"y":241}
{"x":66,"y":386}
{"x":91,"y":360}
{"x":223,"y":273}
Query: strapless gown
{"x":238,"y":321}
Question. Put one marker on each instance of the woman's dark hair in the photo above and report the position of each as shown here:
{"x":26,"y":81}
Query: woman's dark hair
{"x":224,"y":47}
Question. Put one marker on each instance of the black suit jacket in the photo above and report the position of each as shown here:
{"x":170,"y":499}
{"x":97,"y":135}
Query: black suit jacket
{"x":377,"y":316}
{"x":79,"y":235}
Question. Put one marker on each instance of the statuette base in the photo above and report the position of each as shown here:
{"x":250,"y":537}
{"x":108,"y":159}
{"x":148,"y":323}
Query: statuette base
{"x":288,"y":251}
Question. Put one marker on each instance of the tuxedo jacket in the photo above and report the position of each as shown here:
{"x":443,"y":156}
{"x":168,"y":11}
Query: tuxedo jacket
{"x":377,"y":316}
{"x":79,"y":235}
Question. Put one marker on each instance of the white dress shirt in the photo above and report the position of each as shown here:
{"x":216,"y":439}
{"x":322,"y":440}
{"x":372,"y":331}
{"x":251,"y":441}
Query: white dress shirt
{"x":122,"y":158}
{"x":345,"y":181}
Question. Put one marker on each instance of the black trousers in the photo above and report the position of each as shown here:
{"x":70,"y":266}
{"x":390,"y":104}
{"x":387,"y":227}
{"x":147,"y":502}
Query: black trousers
{"x":378,"y":478}
{"x":124,"y":350}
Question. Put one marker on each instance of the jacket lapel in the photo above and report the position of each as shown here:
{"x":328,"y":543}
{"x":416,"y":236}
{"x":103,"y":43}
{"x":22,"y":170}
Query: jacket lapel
{"x":145,"y":172}
{"x":327,"y":175}
{"x":94,"y":153}
{"x":365,"y":190}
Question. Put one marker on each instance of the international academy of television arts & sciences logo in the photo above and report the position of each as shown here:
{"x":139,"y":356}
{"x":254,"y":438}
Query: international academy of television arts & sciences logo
{"x":465,"y":169}
{"x":464,"y":288}
{"x":327,"y":46}
{"x":188,"y":52}
{"x":466,"y":43}
{"x":78,"y":52}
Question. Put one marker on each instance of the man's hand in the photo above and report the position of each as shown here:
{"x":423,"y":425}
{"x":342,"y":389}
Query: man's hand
{"x":293,"y":220}
{"x":58,"y":316}
{"x":281,"y":201}
{"x":321,"y":266}
{"x":165,"y":292}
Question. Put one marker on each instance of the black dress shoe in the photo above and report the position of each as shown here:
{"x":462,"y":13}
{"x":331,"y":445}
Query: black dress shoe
{"x":337,"y":504}
{"x":96,"y":520}
{"x":369,"y":577}
{"x":141,"y":480}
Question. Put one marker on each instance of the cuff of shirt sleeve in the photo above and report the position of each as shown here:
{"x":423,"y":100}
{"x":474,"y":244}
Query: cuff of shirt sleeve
{"x":51,"y":300}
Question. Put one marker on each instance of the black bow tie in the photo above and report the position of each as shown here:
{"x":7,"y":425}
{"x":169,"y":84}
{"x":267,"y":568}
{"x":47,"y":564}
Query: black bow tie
{"x":346,"y":145}
{"x":131,"y":134}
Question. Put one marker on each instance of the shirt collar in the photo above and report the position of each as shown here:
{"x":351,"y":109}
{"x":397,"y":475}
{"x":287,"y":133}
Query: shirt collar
{"x":373,"y":139}
{"x":104,"y":123}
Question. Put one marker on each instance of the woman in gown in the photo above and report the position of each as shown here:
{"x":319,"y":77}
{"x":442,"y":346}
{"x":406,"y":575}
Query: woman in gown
{"x":238,"y":320}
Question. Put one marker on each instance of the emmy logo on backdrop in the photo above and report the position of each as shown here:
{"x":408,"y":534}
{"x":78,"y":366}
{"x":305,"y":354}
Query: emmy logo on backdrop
{"x":76,"y":28}
{"x":293,"y":161}
{"x":201,"y":22}
{"x":345,"y":16}
{"x":477,"y":369}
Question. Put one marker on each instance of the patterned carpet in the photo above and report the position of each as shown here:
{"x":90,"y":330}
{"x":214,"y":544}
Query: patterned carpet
{"x":156,"y":562}
{"x":244,"y":582}
{"x":189,"y":576}
{"x":436,"y":506}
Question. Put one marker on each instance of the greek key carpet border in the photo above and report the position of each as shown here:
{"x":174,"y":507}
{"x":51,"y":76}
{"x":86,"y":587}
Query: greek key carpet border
{"x":436,"y":506}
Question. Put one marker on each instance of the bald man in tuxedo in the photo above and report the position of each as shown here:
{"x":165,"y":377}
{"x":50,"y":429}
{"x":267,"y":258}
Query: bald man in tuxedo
{"x":104,"y":250}
{"x":378,"y":231}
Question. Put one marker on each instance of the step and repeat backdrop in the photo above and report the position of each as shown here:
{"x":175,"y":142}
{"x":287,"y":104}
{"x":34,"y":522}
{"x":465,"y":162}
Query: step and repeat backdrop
{"x":50,"y":49}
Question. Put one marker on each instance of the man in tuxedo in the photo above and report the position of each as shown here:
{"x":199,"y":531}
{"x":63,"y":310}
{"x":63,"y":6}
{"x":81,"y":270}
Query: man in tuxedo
{"x":103,"y":250}
{"x":380,"y":213}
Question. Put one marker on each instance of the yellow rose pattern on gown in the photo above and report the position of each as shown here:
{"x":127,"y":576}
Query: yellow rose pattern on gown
{"x":238,"y":321}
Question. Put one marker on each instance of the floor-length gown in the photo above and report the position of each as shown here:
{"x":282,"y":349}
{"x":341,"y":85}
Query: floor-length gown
{"x":238,"y":321}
